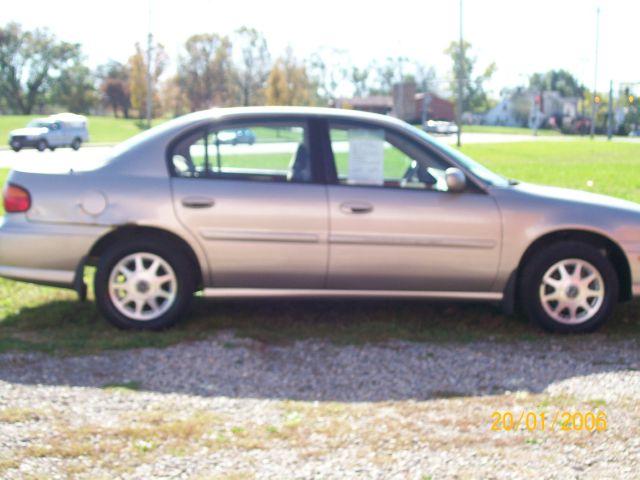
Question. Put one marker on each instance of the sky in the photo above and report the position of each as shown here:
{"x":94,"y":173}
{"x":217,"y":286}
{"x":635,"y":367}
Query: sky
{"x":520,"y":36}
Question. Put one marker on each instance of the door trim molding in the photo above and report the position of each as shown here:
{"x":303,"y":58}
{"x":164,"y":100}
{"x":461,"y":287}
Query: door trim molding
{"x":310,"y":293}
{"x":413,"y":240}
{"x":257,"y":235}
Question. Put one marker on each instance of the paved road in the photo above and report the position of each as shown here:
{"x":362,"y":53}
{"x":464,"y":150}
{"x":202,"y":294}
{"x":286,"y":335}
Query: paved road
{"x":9,"y":158}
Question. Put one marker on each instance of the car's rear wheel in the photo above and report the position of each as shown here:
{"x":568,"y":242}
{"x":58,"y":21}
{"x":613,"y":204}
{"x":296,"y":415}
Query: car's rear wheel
{"x":41,"y":145}
{"x":144,"y":284}
{"x":76,"y":144}
{"x":569,"y":287}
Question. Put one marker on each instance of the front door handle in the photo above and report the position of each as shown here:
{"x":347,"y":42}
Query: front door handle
{"x":356,"y":207}
{"x":197,"y":202}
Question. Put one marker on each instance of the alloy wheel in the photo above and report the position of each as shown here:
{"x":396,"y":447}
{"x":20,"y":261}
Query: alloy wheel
{"x":572,"y":291}
{"x":143,"y":286}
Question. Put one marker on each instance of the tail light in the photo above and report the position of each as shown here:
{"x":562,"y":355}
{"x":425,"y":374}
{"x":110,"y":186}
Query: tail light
{"x":16,"y":198}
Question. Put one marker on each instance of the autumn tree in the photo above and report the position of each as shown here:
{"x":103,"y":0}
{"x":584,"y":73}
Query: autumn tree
{"x":254,"y":65}
{"x":173,"y":98}
{"x":29,"y":61}
{"x":138,"y":77}
{"x":205,"y":71}
{"x":114,"y":77}
{"x":289,"y":83}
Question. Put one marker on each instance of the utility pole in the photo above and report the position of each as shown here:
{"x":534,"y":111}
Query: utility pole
{"x":595,"y":75}
{"x":460,"y":80}
{"x":149,"y":79}
{"x":610,"y":112}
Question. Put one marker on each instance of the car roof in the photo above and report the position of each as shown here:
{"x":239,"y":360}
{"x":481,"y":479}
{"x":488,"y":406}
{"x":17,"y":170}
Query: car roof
{"x":225,"y":113}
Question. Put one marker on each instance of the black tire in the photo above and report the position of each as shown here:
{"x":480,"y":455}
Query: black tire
{"x":174,"y":256}
{"x":53,"y":149}
{"x":16,"y":145}
{"x":41,"y":145}
{"x":76,"y":144}
{"x":545,"y":259}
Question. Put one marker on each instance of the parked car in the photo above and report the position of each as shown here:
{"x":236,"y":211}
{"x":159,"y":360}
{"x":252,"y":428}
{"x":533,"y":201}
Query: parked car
{"x":440,"y":127}
{"x":234,"y":137}
{"x":61,"y":130}
{"x":350,"y":204}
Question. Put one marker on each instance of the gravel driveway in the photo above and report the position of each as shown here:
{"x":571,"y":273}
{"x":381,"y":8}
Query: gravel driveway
{"x":238,"y":408}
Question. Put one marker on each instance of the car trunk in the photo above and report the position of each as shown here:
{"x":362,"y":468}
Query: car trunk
{"x":60,"y":191}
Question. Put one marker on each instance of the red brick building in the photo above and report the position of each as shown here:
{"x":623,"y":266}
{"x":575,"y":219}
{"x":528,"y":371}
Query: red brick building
{"x":405,"y":104}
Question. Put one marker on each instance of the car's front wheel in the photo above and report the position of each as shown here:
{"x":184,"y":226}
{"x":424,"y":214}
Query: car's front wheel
{"x":569,"y":287}
{"x":144,"y":284}
{"x":16,"y":145}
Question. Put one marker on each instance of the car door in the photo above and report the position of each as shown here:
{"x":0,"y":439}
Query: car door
{"x":394,"y":225}
{"x":55,"y":135}
{"x":257,"y":209}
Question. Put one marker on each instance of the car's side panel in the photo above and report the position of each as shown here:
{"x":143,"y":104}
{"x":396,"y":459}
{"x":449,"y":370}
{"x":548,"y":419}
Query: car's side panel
{"x":258,"y":234}
{"x":413,"y":240}
{"x":92,"y":204}
{"x":43,"y":252}
{"x":529,"y":216}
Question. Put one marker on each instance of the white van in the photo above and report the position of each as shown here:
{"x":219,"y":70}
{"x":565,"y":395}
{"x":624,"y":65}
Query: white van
{"x":60,"y":130}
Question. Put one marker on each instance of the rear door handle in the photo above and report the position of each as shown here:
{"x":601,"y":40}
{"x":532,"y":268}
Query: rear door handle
{"x":197,"y":202}
{"x":356,"y":207}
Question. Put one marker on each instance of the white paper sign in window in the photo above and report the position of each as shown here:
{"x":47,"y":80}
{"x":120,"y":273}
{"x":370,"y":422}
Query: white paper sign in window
{"x":366,"y":156}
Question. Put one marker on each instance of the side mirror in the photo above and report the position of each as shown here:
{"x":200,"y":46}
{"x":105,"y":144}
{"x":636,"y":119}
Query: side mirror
{"x":456,"y":181}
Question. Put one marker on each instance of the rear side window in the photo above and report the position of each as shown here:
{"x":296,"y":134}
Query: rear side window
{"x":278,"y":152}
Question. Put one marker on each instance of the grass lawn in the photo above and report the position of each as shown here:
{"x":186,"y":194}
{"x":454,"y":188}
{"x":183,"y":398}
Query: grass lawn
{"x":48,"y":319}
{"x":610,"y":168}
{"x":506,"y":130}
{"x":101,"y":129}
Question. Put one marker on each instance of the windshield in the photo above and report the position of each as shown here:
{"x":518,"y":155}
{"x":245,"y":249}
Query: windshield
{"x":474,"y":167}
{"x":38,"y":123}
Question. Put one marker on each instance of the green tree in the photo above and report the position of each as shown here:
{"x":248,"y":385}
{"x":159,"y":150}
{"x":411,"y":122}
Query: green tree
{"x":75,"y":89}
{"x":389,"y":73}
{"x":254,"y":66}
{"x":206,"y":72}
{"x":29,"y":60}
{"x":359,"y":78}
{"x":474,"y":96}
{"x":327,"y":69}
{"x":560,"y":81}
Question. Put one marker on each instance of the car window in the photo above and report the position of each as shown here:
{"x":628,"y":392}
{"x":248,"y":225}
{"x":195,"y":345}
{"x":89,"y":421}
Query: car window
{"x":379,"y":157}
{"x":263,"y":152}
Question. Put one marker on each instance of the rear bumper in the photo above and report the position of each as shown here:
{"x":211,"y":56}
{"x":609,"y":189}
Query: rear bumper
{"x":48,"y":254}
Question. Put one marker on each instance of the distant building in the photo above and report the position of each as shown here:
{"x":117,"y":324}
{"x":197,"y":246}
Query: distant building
{"x":524,"y":108}
{"x":405,"y":104}
{"x":376,"y":104}
{"x":505,"y":113}
{"x":437,"y":107}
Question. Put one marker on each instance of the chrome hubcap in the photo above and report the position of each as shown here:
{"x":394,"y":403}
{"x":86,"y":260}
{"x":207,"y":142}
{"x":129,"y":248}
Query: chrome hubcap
{"x":142,"y":286}
{"x":572,"y":291}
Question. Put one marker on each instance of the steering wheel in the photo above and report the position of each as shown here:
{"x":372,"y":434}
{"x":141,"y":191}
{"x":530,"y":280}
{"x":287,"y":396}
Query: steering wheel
{"x":420,"y":172}
{"x":410,"y":171}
